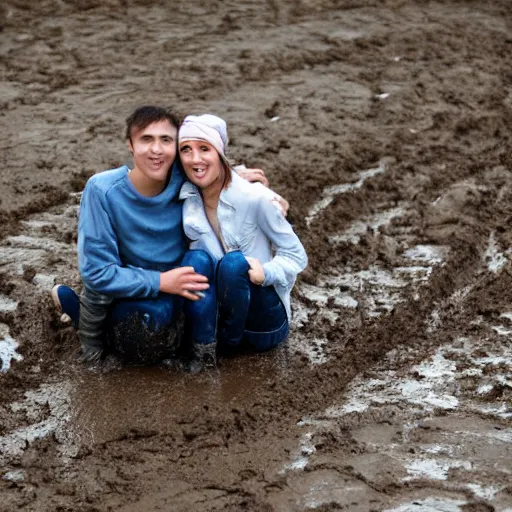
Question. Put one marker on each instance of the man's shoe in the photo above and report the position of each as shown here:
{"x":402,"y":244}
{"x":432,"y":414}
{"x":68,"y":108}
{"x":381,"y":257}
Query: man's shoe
{"x":204,"y":357}
{"x":67,"y":303}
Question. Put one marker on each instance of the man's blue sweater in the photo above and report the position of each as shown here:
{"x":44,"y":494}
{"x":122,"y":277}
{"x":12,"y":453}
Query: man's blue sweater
{"x":125,"y":239}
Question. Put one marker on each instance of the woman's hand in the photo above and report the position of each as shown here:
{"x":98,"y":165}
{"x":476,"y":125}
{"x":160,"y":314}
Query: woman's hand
{"x":256,"y":272}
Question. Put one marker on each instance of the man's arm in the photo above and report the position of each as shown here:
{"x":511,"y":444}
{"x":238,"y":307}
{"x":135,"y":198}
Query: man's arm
{"x":99,"y":261}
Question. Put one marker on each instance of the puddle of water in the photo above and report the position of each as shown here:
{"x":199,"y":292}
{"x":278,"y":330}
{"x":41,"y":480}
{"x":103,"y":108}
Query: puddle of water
{"x":50,"y":402}
{"x":44,"y":281}
{"x":494,"y":259}
{"x":8,"y":348}
{"x":357,"y":229}
{"x":428,"y":253}
{"x":7,"y":305}
{"x":435,"y":387}
{"x":329,"y":193}
{"x":72,"y":411}
{"x":162,"y":396}
{"x":485,"y":493}
{"x":433,"y":469}
{"x":429,"y":505}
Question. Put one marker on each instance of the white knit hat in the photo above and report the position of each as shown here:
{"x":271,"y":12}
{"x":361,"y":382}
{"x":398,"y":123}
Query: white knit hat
{"x":207,"y":127}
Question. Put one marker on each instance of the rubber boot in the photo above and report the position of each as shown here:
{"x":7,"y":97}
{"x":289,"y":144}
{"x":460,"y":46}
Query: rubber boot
{"x":204,"y":357}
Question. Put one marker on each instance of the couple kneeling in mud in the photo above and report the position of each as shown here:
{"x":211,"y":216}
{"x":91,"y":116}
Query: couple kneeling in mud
{"x":181,"y":258}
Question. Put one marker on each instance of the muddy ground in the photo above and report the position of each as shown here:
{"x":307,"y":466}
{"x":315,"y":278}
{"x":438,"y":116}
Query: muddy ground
{"x":388,"y":126}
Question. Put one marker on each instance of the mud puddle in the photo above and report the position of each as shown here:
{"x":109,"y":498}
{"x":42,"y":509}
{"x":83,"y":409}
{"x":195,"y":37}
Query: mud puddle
{"x":101,"y":403}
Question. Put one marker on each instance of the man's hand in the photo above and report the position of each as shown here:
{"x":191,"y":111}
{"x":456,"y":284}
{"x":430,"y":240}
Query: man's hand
{"x":281,"y":204}
{"x":183,"y":281}
{"x":252,"y":175}
{"x":256,"y":272}
{"x":258,"y":175}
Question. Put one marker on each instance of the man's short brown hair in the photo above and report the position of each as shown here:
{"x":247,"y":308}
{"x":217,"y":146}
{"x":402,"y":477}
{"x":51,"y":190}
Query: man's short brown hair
{"x":142,"y":117}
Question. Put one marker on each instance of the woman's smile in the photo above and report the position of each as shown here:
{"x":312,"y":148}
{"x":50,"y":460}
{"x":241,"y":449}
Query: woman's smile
{"x":201,"y":163}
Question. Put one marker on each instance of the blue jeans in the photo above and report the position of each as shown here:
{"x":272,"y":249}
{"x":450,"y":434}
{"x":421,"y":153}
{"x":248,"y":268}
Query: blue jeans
{"x":148,"y":330}
{"x":249,"y":315}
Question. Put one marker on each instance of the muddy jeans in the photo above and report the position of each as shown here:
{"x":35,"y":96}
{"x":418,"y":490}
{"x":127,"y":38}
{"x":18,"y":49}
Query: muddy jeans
{"x":147,"y":330}
{"x":250,"y":316}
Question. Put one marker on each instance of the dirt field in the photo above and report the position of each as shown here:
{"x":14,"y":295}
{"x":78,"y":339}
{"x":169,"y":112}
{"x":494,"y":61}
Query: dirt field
{"x":388,"y":127}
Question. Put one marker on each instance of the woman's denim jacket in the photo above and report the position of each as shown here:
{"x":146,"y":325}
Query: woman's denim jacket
{"x":249,"y":223}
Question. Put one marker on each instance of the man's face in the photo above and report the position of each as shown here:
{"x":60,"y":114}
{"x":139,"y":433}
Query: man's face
{"x":201,"y":163}
{"x":154,"y":150}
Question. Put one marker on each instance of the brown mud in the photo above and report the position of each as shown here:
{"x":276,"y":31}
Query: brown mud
{"x":388,"y":127}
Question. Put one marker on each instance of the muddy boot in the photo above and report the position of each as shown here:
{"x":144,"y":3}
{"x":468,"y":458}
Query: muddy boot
{"x":204,"y":357}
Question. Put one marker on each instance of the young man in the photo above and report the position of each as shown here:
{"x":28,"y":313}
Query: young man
{"x":132,"y":252}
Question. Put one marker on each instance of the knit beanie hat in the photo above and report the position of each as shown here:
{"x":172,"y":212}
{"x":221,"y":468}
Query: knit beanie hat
{"x":207,"y":127}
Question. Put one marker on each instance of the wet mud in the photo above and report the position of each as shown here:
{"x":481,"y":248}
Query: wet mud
{"x":388,"y":127}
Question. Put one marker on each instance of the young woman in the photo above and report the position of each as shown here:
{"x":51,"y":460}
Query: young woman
{"x":255,"y":250}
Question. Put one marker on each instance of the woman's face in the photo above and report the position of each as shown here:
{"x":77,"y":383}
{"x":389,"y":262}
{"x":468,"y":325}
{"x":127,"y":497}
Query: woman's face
{"x":202,"y":164}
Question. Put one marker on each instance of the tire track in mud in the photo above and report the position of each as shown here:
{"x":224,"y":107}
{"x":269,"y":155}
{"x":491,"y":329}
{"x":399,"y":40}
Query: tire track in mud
{"x":429,"y":428}
{"x":437,"y":320}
